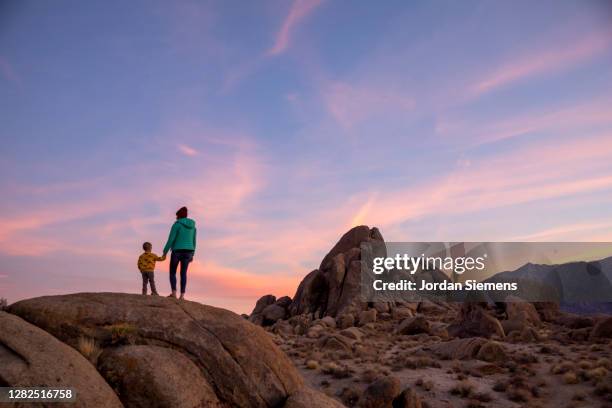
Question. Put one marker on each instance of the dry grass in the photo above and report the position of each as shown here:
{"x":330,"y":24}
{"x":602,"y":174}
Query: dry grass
{"x":122,"y":333}
{"x":88,"y":347}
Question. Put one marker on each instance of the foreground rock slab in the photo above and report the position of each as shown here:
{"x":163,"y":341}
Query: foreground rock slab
{"x":231,"y":357}
{"x":30,"y":357}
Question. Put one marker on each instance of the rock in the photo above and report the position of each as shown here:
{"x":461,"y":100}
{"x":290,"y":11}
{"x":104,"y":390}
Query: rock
{"x":237,"y":359}
{"x":345,"y":320}
{"x":32,"y":357}
{"x":602,"y":330}
{"x":271,"y":314}
{"x":367,"y":316}
{"x":407,"y":399}
{"x":146,"y":376}
{"x":283,"y":302}
{"x":491,"y":351}
{"x":428,"y":307}
{"x":474,"y":321}
{"x":336,"y":342}
{"x":573,"y":321}
{"x":315,"y":331}
{"x":458,"y":349}
{"x":401,"y":313}
{"x":261,"y":304}
{"x":334,"y":288}
{"x":381,"y":393}
{"x":309,"y":398}
{"x":381,"y":307}
{"x":414,"y":325}
{"x":519,"y":310}
{"x":329,"y":321}
{"x":510,"y":326}
{"x":352,"y":333}
{"x":548,"y":311}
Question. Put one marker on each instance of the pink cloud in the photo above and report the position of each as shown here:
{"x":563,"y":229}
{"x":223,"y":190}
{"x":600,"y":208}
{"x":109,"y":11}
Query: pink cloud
{"x":538,"y":172}
{"x":543,"y":61}
{"x":187,"y":150}
{"x":298,"y":12}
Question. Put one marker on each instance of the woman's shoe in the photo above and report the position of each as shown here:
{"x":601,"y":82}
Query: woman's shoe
{"x":182,"y":296}
{"x":172,"y":295}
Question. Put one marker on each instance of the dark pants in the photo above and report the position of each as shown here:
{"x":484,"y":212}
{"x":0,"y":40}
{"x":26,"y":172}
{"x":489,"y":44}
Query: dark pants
{"x":148,"y":277}
{"x":182,"y":257}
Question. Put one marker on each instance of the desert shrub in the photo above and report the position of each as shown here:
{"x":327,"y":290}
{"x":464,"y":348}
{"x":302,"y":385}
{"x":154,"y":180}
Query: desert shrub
{"x":570,"y":378}
{"x":335,"y":370}
{"x":518,"y":394}
{"x":312,"y":365}
{"x":421,"y":362}
{"x":464,"y":389}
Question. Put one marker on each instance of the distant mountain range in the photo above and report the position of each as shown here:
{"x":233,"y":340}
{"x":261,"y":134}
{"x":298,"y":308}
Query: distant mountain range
{"x":579,"y":287}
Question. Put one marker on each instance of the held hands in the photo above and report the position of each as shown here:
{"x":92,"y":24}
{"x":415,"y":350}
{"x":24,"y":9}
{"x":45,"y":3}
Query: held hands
{"x":163,"y":257}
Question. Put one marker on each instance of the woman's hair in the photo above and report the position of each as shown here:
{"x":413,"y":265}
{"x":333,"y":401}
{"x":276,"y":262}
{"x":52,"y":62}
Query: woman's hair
{"x":181,"y":213}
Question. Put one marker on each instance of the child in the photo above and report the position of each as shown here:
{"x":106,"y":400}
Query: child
{"x":146,"y":265}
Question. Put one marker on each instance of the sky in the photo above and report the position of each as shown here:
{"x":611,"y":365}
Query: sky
{"x":282,"y":124}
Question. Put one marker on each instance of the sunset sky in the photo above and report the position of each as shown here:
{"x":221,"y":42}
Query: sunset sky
{"x":281,"y":124}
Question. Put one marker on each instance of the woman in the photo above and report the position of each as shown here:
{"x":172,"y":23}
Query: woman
{"x":182,"y":242}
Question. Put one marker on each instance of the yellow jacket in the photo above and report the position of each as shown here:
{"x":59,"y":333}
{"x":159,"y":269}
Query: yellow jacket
{"x":146,"y":261}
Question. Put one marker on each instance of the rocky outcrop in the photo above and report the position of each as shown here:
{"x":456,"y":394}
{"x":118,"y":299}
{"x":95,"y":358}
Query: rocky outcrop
{"x":334,"y":288}
{"x":31,"y":357}
{"x":232,"y":362}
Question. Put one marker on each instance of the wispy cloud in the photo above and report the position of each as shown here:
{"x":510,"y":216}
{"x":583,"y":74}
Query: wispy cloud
{"x":535,"y":173}
{"x":544,"y":61}
{"x":298,"y":12}
{"x":596,"y":112}
{"x":187,"y":150}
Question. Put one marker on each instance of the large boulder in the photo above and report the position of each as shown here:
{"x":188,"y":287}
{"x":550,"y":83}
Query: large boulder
{"x":334,"y":288}
{"x":475,"y":321}
{"x":414,"y":325}
{"x":602,"y":330}
{"x":381,"y":393}
{"x":256,"y":315}
{"x":32,"y":357}
{"x":271,"y":314}
{"x":236,"y":359}
{"x":458,"y":349}
{"x":153,"y":376}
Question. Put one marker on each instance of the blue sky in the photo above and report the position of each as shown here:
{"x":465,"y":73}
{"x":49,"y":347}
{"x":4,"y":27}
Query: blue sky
{"x":282,"y":124}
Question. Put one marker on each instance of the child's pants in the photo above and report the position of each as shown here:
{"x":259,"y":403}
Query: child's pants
{"x":150,"y":278}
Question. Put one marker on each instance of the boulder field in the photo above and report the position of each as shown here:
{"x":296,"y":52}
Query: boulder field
{"x":434,"y":354}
